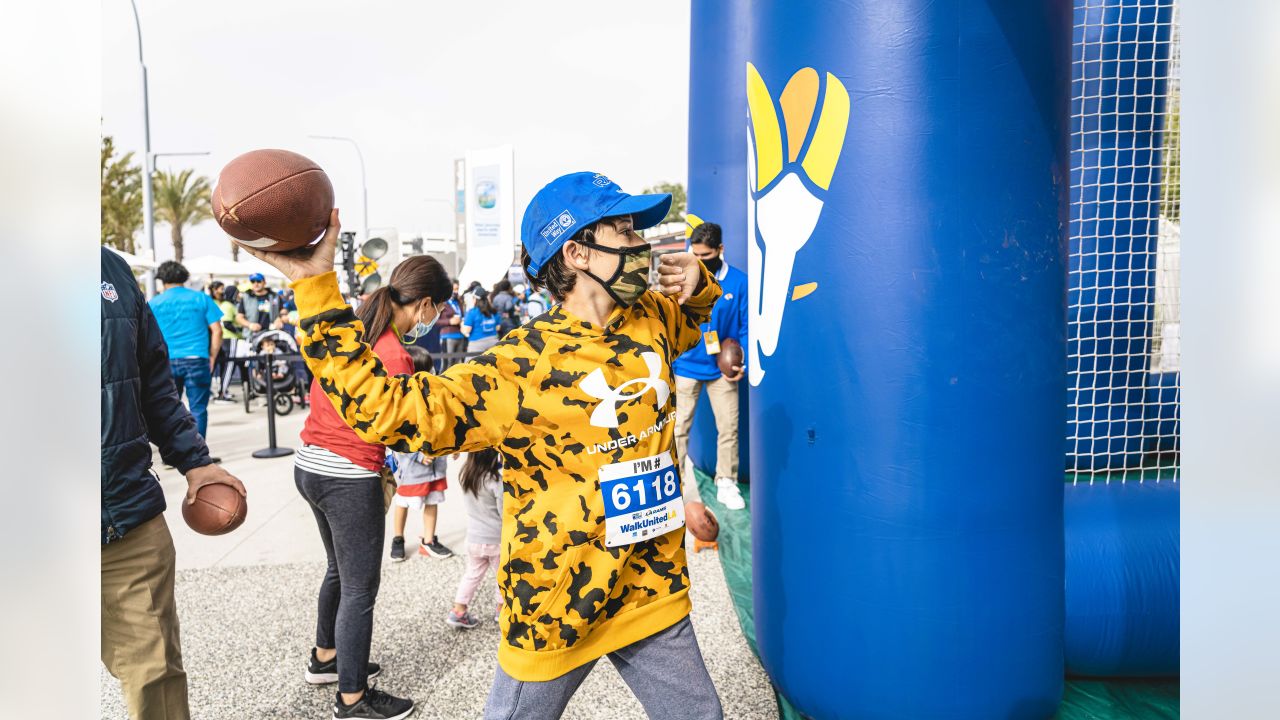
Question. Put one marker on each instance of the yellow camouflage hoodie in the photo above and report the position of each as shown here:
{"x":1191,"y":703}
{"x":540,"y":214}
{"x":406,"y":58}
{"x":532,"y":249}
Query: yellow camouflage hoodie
{"x":536,"y":396}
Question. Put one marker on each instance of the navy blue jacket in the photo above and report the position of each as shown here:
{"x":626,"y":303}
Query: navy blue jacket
{"x":728,"y":319}
{"x":139,"y":404}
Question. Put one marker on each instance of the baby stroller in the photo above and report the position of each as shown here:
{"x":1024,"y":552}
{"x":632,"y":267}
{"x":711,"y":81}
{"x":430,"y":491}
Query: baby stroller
{"x":283,"y":374}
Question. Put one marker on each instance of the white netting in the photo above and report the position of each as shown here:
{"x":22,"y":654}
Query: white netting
{"x":1123,"y":334}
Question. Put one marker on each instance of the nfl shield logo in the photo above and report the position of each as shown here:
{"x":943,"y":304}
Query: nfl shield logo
{"x":109,"y":292}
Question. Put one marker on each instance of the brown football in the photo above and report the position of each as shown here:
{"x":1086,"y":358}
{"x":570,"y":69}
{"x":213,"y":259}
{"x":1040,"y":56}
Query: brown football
{"x":218,"y":510}
{"x":273,"y":200}
{"x":729,"y":359}
{"x":701,"y":521}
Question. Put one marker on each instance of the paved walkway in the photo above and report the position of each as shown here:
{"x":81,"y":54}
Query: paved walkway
{"x":247,"y":607}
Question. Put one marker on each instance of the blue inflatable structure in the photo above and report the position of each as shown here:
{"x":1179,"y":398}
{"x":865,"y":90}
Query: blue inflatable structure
{"x":1122,"y":579}
{"x":902,"y":215}
{"x":718,"y":173}
{"x":908,"y":192}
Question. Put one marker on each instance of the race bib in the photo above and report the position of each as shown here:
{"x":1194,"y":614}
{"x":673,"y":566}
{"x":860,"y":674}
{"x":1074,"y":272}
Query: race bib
{"x":641,"y":499}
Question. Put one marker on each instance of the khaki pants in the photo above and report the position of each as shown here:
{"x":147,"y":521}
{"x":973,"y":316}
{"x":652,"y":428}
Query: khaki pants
{"x":724,"y":405}
{"x":140,"y":623}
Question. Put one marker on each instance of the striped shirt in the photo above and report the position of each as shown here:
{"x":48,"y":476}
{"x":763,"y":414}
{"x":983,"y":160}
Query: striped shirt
{"x":315,"y":459}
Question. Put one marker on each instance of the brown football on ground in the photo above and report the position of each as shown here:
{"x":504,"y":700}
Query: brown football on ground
{"x":729,"y":357}
{"x":701,"y":521}
{"x":273,"y":200}
{"x":218,"y":510}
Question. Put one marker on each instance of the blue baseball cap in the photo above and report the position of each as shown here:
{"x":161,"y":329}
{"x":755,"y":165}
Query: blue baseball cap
{"x":257,"y":277}
{"x":571,"y":202}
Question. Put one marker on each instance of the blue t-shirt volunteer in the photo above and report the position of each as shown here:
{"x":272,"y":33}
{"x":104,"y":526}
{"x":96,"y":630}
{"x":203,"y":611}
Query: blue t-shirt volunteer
{"x":728,"y":319}
{"x":481,"y":326}
{"x":184,"y":316}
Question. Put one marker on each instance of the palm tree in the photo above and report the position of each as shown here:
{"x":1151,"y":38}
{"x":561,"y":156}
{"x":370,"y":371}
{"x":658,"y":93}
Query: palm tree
{"x":235,"y":250}
{"x":181,"y":200}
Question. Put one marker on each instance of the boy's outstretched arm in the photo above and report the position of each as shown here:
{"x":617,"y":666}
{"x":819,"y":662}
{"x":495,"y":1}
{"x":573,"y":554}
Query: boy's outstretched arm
{"x":688,"y":294}
{"x":469,"y":407}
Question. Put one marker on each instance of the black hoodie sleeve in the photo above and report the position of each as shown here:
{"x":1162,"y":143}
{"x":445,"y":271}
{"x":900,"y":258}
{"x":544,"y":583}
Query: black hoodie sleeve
{"x":169,"y":423}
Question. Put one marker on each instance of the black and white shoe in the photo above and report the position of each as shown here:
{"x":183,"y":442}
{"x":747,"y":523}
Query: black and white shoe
{"x":373,"y":705}
{"x":325,"y":673}
{"x":397,"y":548}
{"x":435,"y":549}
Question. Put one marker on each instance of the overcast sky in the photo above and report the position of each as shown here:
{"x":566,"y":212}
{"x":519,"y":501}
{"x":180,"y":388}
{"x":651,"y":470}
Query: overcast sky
{"x":572,"y":84}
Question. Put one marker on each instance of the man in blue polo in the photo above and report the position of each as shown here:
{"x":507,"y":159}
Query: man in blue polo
{"x":191,"y":324}
{"x":698,"y":367}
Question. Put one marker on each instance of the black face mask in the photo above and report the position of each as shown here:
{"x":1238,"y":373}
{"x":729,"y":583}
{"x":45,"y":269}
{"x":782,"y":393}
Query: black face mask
{"x":714,"y":264}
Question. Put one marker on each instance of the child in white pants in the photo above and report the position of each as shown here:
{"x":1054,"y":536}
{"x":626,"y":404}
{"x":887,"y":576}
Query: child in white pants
{"x":482,"y":492}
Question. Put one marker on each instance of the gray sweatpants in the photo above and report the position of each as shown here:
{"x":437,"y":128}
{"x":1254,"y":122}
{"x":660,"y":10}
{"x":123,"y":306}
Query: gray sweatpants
{"x":664,"y":670}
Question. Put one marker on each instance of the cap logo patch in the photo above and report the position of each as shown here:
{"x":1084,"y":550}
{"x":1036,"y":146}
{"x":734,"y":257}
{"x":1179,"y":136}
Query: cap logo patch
{"x":556,"y":228}
{"x":600,"y":180}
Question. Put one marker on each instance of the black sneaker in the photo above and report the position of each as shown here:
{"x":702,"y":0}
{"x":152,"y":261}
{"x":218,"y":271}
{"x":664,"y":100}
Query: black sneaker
{"x":397,"y":548}
{"x":319,"y":673}
{"x":373,"y":705}
{"x":434,"y":549}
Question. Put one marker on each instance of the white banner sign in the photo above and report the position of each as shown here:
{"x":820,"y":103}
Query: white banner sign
{"x":491,"y":213}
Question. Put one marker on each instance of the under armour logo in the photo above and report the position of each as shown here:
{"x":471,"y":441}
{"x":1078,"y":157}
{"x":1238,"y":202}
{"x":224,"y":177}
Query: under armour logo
{"x":606,"y":413}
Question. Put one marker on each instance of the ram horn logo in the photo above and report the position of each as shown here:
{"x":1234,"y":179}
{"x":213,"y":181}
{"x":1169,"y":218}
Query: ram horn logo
{"x":606,"y":413}
{"x":787,"y":182}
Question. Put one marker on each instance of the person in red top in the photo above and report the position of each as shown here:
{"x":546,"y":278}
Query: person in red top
{"x":338,"y":475}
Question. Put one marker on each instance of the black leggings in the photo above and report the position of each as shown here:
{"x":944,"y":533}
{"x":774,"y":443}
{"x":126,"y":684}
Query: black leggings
{"x":220,"y":364}
{"x":350,"y":515}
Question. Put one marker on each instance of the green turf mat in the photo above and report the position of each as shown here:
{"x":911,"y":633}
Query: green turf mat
{"x":735,"y":560}
{"x":1119,"y":699}
{"x":1082,"y":700}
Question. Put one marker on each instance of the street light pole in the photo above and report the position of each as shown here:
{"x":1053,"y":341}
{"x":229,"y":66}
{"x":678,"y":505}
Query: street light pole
{"x":148,"y":218}
{"x":364,"y":187}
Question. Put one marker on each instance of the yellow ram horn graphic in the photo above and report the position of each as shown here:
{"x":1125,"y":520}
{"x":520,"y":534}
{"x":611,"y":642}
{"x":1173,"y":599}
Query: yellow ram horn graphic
{"x":691,"y":222}
{"x":799,"y":102}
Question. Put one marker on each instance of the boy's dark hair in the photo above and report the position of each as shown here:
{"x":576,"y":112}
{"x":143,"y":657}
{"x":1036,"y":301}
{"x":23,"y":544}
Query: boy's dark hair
{"x":422,"y":360}
{"x":503,"y":285}
{"x":480,"y":465}
{"x":556,"y":275}
{"x":172,"y":273}
{"x":708,"y":233}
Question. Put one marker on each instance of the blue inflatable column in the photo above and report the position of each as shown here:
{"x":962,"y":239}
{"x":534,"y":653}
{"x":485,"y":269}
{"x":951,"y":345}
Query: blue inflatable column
{"x":908,"y":180}
{"x":718,"y":169}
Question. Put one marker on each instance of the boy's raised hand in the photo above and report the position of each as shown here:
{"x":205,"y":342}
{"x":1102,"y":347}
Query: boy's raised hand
{"x":680,"y":274}
{"x":308,"y":261}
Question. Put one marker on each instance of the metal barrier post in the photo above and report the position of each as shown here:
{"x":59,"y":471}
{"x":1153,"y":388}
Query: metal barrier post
{"x":271,"y":451}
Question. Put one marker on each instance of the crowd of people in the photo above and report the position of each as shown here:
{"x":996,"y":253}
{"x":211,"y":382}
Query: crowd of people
{"x":545,"y":388}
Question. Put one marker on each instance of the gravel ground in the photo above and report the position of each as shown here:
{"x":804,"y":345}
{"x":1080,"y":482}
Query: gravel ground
{"x":246,"y":632}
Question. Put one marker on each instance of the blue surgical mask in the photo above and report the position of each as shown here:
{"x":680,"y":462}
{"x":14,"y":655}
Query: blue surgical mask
{"x":420,"y":330}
